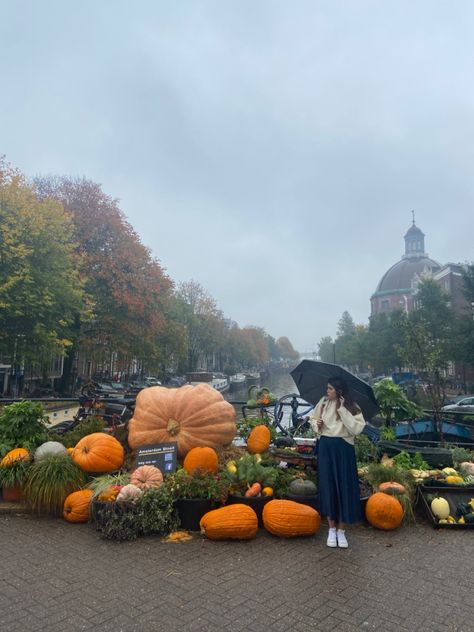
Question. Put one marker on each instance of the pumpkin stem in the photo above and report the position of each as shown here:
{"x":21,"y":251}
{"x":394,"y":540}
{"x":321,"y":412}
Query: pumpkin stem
{"x":173,"y":426}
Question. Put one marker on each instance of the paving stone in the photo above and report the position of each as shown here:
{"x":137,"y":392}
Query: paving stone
{"x":55,"y":576}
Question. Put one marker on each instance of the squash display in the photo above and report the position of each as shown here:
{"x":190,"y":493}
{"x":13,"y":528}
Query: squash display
{"x":234,"y":522}
{"x":259,"y":439}
{"x":77,"y":506}
{"x":288,"y":519}
{"x":193,"y":416}
{"x":384,"y":511}
{"x":146,"y":477}
{"x":201,"y":459}
{"x":17,"y":454}
{"x":98,"y":452}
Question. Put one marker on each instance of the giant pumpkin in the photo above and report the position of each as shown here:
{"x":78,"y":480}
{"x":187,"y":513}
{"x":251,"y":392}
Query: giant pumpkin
{"x":190,"y":415}
{"x":233,"y":522}
{"x":288,"y":519}
{"x":98,"y":452}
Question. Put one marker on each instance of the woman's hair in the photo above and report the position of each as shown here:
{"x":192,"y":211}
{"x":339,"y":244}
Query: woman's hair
{"x":343,"y":390}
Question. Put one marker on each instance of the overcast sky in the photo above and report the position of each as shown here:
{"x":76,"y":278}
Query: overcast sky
{"x":272,"y":151}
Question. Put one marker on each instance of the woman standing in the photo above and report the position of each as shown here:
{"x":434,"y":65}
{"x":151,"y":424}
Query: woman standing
{"x":337,"y":420}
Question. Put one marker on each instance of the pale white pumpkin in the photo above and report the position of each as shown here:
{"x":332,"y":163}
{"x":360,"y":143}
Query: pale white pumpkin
{"x":129,"y":492}
{"x":50,"y":448}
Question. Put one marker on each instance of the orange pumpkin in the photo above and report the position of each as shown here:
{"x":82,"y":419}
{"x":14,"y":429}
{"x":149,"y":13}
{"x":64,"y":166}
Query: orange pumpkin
{"x":193,"y":416}
{"x":98,"y":452}
{"x":259,"y":439}
{"x":202,"y":459}
{"x":234,"y":522}
{"x":384,"y":511}
{"x":17,"y":454}
{"x":392,"y":487}
{"x":288,"y":519}
{"x":77,"y":506}
{"x":146,"y":477}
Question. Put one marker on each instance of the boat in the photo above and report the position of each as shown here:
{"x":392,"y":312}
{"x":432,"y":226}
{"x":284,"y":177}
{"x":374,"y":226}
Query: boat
{"x":253,"y":378}
{"x":218,"y":381}
{"x":238,"y":380}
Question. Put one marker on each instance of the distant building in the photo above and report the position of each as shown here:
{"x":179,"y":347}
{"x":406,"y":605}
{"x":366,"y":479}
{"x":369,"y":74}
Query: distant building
{"x":397,"y":286}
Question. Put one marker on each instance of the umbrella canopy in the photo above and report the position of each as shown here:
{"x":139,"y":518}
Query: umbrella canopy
{"x":311,"y":378}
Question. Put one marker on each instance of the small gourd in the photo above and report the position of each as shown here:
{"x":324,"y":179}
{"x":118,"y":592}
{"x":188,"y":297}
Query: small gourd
{"x":129,"y":492}
{"x":440,"y":508}
{"x":454,"y":480}
{"x":302,"y":487}
{"x":392,"y":487}
{"x":253,"y":491}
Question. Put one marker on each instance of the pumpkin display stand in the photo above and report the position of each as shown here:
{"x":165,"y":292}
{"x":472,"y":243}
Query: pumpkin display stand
{"x":12,"y":494}
{"x":191,"y":510}
{"x":257,"y":503}
{"x":101,"y":512}
{"x":453,"y":496}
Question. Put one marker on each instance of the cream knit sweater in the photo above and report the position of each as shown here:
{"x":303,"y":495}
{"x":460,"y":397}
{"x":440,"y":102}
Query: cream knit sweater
{"x":337,"y":422}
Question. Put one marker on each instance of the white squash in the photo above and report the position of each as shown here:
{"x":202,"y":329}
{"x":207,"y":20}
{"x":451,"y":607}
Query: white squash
{"x":467,"y":468}
{"x":129,"y":492}
{"x":440,"y":508}
{"x":50,"y":448}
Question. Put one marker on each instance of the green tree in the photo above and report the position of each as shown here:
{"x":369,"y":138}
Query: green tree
{"x":41,"y":289}
{"x":326,"y":349}
{"x":427,"y":341}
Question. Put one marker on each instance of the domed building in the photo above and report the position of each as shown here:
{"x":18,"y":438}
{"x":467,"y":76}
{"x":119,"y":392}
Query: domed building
{"x":396,"y":288}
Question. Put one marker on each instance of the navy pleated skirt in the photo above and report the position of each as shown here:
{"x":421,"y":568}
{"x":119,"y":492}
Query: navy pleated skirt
{"x":338,"y":483}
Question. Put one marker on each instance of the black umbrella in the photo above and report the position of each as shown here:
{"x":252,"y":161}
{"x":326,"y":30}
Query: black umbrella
{"x":311,"y":378}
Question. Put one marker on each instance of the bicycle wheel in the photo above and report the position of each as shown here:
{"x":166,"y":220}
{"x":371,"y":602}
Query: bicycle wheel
{"x":288,"y":420}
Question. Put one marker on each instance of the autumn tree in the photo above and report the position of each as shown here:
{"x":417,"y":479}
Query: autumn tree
{"x":129,"y":287}
{"x":286,"y":349}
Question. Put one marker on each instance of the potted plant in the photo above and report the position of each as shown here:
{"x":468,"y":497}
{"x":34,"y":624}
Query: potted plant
{"x":22,"y":424}
{"x":12,"y":478}
{"x":196,"y":494}
{"x":251,"y":482}
{"x":49,"y":481}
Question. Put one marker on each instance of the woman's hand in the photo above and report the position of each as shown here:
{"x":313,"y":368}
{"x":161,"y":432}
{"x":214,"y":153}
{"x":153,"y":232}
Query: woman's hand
{"x":341,"y":401}
{"x":320,"y":424}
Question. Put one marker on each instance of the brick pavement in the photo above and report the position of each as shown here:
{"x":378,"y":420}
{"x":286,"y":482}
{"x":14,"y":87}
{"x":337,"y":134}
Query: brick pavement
{"x":56,"y":577}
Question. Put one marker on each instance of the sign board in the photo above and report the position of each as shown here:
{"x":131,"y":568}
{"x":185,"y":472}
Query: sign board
{"x":161,"y":455}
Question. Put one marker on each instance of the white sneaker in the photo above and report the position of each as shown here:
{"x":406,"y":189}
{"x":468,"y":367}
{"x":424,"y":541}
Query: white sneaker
{"x":332,"y":538}
{"x":342,"y":542}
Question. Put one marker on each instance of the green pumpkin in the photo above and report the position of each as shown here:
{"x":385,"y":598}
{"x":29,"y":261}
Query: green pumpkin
{"x":300,"y":487}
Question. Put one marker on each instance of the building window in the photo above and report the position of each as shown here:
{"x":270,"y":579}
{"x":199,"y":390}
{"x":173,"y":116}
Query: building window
{"x":385,"y":305}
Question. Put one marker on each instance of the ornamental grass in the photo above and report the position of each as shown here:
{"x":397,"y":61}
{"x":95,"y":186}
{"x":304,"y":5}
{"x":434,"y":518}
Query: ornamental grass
{"x":49,"y":481}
